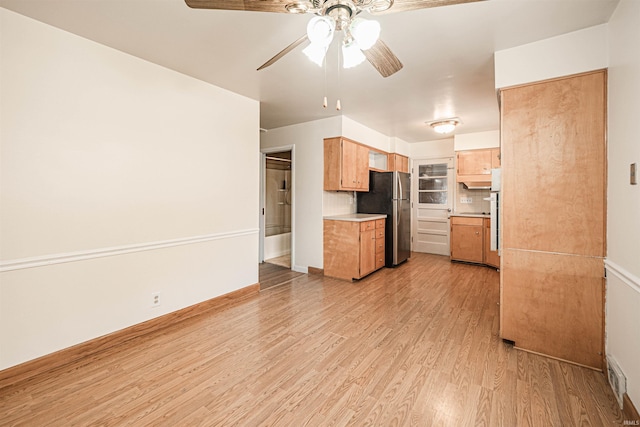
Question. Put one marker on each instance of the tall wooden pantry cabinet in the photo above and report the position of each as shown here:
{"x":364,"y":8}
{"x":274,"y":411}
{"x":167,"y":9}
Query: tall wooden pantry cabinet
{"x":553,"y":217}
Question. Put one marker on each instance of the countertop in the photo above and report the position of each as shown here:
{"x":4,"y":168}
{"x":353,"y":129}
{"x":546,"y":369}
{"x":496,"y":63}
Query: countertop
{"x":356,"y":217}
{"x":471,"y":215}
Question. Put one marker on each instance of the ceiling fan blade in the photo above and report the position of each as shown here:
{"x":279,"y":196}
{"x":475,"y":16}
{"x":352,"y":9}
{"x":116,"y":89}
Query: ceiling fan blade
{"x":252,"y":5}
{"x":381,"y":57}
{"x":404,"y":5}
{"x":284,"y":51}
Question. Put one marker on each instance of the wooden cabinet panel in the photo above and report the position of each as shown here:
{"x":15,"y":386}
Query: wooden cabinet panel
{"x":495,"y":158}
{"x":553,"y":216}
{"x":367,"y":252}
{"x":346,"y":165}
{"x":552,"y":304}
{"x":474,"y":165}
{"x":398,"y":162}
{"x":489,"y":257}
{"x":353,"y":249}
{"x":553,"y":172}
{"x":467,"y":239}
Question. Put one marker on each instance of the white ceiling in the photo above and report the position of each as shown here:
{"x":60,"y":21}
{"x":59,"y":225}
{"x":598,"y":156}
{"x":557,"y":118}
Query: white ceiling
{"x":447,"y":54}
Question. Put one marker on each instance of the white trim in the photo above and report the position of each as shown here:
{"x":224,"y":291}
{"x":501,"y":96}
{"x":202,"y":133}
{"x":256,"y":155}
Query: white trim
{"x":622,"y":274}
{"x":40,"y":261}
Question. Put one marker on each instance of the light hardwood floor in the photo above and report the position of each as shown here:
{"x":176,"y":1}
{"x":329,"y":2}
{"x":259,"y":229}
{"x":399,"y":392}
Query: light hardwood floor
{"x":274,"y":275}
{"x":415,"y":345}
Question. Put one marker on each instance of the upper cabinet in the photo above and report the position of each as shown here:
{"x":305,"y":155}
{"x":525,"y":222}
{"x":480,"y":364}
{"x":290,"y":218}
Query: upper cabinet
{"x":398,"y":162}
{"x":346,"y":165}
{"x":476,"y":165}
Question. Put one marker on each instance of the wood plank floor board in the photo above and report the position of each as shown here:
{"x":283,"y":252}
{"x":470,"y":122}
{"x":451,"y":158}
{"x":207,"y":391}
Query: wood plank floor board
{"x":413,"y":345}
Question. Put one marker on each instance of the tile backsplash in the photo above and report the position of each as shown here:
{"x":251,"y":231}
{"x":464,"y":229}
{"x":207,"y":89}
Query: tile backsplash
{"x":476,"y":197}
{"x":338,"y":202}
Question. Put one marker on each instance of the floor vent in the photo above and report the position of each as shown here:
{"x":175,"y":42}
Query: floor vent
{"x":617,"y":379}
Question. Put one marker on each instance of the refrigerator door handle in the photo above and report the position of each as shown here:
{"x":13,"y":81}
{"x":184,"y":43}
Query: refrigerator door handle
{"x":400,"y":194}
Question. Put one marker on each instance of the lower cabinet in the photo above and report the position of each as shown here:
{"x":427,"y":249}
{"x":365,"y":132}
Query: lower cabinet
{"x":353,"y":249}
{"x":467,"y":239}
{"x":471,"y":241}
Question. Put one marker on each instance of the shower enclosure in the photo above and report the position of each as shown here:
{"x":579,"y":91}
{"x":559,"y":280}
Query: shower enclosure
{"x":277,"y":242}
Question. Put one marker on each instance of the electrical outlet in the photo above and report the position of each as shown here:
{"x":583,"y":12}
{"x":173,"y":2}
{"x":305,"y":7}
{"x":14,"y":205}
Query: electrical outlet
{"x":466,"y":200}
{"x":155,"y":299}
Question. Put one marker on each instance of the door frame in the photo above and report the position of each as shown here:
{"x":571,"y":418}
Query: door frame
{"x":452,"y":185}
{"x":263,"y":190}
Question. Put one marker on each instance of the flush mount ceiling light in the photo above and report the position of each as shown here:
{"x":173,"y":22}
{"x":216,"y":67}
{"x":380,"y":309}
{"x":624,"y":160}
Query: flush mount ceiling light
{"x":445,"y":125}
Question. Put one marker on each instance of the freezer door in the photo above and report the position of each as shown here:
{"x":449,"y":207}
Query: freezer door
{"x":402,"y":185}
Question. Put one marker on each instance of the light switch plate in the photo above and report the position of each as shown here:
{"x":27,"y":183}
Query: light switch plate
{"x":466,"y":199}
{"x":633,"y":174}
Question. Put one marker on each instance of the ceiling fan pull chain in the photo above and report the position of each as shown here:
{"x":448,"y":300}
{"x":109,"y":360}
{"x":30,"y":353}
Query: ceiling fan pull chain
{"x":324,"y":103}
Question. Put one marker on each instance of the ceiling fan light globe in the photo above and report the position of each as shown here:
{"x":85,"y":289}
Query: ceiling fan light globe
{"x":365,"y":32}
{"x":352,"y":55}
{"x":320,"y":30}
{"x":315,"y":52}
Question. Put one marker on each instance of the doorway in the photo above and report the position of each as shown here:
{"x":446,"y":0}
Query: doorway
{"x":433,"y":193}
{"x":276,"y":224}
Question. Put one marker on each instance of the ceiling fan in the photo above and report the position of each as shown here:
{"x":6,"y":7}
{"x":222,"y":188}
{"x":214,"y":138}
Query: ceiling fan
{"x":360,"y":40}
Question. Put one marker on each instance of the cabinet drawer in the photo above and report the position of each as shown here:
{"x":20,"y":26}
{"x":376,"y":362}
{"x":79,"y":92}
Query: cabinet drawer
{"x":464,"y":220}
{"x":367,"y":225}
{"x":380,"y":223}
{"x":380,"y":245}
{"x":380,"y":233}
{"x":379,"y":260}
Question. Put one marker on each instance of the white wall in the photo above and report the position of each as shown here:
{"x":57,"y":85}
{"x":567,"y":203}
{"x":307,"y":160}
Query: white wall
{"x":307,"y":140}
{"x":358,"y":132}
{"x":615,"y":45}
{"x":576,"y":52}
{"x":478,"y":140}
{"x":623,"y":209}
{"x":113,"y":170}
{"x":431,"y":149}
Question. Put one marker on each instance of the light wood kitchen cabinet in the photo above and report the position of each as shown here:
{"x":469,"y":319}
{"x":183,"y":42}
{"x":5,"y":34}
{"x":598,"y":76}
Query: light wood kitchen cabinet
{"x":346,"y":165}
{"x":380,"y":243}
{"x":476,"y":165}
{"x":489,"y":257}
{"x":398,"y":162}
{"x":553,"y":217}
{"x":352,"y":248}
{"x":467,"y":239}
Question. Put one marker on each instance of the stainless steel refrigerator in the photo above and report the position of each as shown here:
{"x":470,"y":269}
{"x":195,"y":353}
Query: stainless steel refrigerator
{"x":389,"y":193}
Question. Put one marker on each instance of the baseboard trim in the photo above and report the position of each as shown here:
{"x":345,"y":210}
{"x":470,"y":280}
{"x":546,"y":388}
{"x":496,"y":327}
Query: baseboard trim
{"x":59,"y":359}
{"x":629,"y":411}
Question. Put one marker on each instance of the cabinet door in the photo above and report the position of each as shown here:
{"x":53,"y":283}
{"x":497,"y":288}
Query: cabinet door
{"x":474,"y":162}
{"x":467,"y":243}
{"x":367,"y":252}
{"x":495,"y":158}
{"x":349,"y":164}
{"x":362,"y":168}
{"x":490,"y":257}
{"x":398,"y":163}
